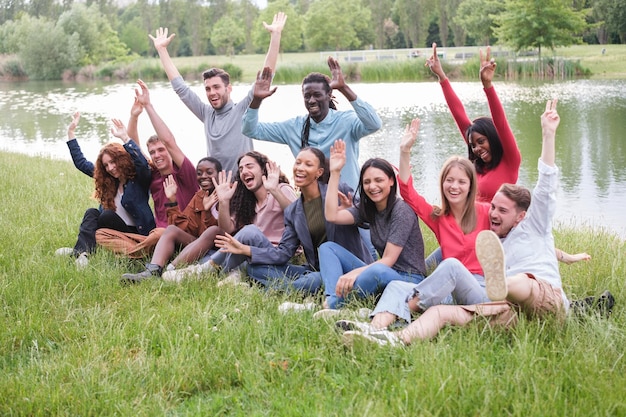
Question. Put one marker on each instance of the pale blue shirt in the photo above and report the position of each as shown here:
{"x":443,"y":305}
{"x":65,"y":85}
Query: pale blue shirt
{"x":349,"y":125}
{"x":529,"y":246}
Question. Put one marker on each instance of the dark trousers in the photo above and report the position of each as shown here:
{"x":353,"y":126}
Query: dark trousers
{"x":93,"y":220}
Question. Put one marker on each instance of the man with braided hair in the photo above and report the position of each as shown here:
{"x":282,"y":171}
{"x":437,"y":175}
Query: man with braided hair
{"x":322,"y":125}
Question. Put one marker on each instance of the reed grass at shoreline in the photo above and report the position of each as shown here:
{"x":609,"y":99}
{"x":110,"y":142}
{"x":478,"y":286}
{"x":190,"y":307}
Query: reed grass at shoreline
{"x":76,"y":342}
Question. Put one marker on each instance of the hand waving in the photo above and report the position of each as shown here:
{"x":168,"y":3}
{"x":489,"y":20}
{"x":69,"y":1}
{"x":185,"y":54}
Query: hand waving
{"x":263,"y":83}
{"x":161,"y":40}
{"x":224,"y":188}
{"x":277,"y":24}
{"x":410,"y":135}
{"x":337,"y":81}
{"x":209,"y":200}
{"x":170,"y":187}
{"x":273,"y":175}
{"x":337,"y":156}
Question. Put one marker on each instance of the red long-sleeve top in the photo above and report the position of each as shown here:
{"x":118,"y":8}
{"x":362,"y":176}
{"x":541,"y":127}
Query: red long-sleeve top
{"x":454,"y":243}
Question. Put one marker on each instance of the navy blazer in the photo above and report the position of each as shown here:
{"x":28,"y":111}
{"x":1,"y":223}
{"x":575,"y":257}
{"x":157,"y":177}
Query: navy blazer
{"x":297,"y":234}
{"x":136,"y":191}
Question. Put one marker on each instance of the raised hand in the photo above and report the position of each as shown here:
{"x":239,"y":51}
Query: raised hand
{"x":209,"y":200}
{"x":161,"y":40}
{"x":143,"y":96}
{"x":337,"y":158}
{"x":73,"y":124}
{"x":119,"y":130}
{"x":273,"y":175}
{"x":435,"y":65}
{"x":550,"y":119}
{"x":137,"y":108}
{"x":277,"y":24}
{"x":410,"y":135}
{"x":170,"y":187}
{"x":487,"y":68}
{"x":263,"y":83}
{"x":224,"y":188}
{"x":337,"y":81}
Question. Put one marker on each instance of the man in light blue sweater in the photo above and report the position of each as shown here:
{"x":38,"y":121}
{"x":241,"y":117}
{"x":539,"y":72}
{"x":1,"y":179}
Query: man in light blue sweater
{"x":322,"y":125}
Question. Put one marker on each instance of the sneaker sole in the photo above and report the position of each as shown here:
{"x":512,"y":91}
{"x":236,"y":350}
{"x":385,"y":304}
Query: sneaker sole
{"x":490,"y":254}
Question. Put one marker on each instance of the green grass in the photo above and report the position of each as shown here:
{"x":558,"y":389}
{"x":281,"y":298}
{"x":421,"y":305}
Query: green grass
{"x":78,"y":343}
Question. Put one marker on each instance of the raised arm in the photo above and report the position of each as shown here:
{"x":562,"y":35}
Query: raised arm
{"x":163,"y":132}
{"x":78,"y":158}
{"x":161,"y":42}
{"x":408,"y":139}
{"x":272,"y":184}
{"x":135,"y":111}
{"x":225,"y":190}
{"x":332,"y":212}
{"x":549,"y":122}
{"x":337,"y":81}
{"x":275,"y":30}
{"x":454,"y":104}
{"x":262,"y":87}
{"x":435,"y":65}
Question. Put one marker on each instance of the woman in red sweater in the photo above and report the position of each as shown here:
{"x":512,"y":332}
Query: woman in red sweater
{"x":490,"y":142}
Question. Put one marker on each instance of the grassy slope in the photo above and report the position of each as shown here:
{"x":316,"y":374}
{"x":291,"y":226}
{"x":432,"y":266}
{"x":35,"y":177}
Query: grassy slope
{"x":610,"y":65}
{"x":77,"y":343}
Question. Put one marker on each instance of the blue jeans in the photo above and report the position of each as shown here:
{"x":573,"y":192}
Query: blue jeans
{"x":286,"y":277}
{"x":450,"y":278}
{"x":248,"y":235}
{"x":335,"y":261}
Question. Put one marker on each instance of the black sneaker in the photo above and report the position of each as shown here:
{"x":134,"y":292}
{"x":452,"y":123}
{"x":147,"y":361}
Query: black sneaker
{"x":602,"y":305}
{"x":152,"y":270}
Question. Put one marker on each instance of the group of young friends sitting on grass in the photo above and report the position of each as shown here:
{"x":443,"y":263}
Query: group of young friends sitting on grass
{"x":349,"y":231}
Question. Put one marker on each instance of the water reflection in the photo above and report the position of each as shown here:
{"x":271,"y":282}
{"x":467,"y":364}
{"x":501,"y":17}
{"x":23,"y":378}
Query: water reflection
{"x":590,"y":143}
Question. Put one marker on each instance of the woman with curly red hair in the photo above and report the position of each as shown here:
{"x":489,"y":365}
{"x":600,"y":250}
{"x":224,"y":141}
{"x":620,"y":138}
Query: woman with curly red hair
{"x":122,"y":182}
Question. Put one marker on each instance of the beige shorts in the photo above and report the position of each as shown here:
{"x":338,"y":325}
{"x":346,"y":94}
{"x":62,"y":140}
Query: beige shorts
{"x":544,"y":300}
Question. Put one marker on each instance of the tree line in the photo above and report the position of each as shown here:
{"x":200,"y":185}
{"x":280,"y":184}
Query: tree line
{"x":52,"y":36}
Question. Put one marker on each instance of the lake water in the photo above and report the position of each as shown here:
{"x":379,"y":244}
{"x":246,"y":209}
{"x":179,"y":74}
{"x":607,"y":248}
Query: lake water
{"x":591,"y":140}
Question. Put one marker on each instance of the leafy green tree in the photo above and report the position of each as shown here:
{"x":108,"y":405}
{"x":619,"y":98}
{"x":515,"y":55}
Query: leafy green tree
{"x":291,"y":37}
{"x":613,"y":14}
{"x":477,"y":19}
{"x":49,"y":50}
{"x":381,"y":11}
{"x":135,"y":37}
{"x":226,"y":34}
{"x":540,"y":23}
{"x":412,"y":17}
{"x":335,"y":25}
{"x":98,"y":41}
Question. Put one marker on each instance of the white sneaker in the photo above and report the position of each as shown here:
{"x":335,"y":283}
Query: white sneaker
{"x":64,"y":251}
{"x":288,"y":306}
{"x":380,"y":337}
{"x":233,"y":278}
{"x":192,"y":271}
{"x":327,"y":313}
{"x":82,"y":261}
{"x":490,"y":254}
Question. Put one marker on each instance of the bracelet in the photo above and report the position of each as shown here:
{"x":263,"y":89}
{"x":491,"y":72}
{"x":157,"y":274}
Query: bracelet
{"x":172,"y":204}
